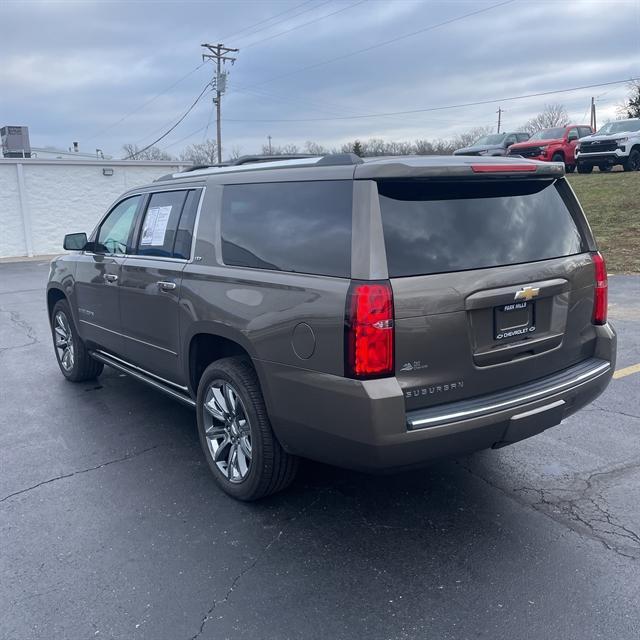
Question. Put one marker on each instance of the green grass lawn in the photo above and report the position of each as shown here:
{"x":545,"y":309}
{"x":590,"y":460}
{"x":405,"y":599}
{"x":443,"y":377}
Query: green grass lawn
{"x":612,"y":204}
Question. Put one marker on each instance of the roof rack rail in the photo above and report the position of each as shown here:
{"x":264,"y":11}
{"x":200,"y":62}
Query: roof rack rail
{"x":270,"y":158}
{"x":331,"y":159}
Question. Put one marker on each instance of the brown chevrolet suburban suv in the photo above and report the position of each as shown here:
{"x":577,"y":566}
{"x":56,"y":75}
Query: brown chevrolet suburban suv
{"x":373,"y":314}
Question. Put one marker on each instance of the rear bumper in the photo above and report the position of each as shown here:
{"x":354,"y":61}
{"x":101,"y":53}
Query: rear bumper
{"x":363,"y":424}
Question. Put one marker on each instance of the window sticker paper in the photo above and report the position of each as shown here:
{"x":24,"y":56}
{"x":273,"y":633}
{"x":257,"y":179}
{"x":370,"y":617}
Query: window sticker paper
{"x":155,"y":226}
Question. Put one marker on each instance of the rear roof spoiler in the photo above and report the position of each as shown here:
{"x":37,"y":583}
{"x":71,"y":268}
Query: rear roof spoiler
{"x":466,"y":167}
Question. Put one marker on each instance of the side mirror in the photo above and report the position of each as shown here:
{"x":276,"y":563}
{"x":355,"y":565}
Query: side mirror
{"x":75,"y":241}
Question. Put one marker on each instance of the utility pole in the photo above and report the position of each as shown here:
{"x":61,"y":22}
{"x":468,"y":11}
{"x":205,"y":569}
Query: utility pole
{"x":269,"y":138}
{"x":593,"y":122}
{"x":499,"y":112}
{"x":218,"y":52}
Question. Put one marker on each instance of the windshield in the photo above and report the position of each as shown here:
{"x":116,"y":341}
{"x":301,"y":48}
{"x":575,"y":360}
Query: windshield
{"x":548,"y":134}
{"x":620,"y":126}
{"x":496,"y":138}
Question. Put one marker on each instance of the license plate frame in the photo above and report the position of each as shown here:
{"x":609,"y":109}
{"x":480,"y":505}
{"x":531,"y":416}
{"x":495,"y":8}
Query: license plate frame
{"x":514,"y":321}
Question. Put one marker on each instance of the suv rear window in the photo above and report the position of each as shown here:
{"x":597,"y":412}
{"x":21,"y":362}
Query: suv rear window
{"x":432,"y":227}
{"x":303,"y":227}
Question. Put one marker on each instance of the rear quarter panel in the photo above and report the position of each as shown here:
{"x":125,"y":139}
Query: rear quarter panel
{"x":258,"y":308}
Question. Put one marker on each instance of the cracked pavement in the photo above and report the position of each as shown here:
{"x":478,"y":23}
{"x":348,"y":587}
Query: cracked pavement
{"x":111,"y":526}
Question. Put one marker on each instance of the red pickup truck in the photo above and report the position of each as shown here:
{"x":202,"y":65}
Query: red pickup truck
{"x":557,"y":144}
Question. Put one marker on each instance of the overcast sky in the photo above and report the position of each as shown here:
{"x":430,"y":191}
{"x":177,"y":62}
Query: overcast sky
{"x":84,"y":70}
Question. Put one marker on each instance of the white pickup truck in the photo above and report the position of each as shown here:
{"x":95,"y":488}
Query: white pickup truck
{"x":617,"y":142}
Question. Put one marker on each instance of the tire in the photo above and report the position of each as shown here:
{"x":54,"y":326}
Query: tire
{"x":72,"y":355}
{"x":604,"y":168}
{"x":633,"y":161}
{"x":558,"y":157}
{"x":585,"y":168}
{"x":570,"y":168}
{"x":241,"y":449}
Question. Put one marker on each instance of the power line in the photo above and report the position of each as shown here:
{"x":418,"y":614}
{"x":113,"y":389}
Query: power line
{"x":144,"y":104}
{"x":237,"y":33}
{"x":166,"y":133}
{"x":189,"y":135}
{"x":381,"y":44}
{"x":304,"y":24}
{"x":206,"y":129}
{"x":442,"y":108}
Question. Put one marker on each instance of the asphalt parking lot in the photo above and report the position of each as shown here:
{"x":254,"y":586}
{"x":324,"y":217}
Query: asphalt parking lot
{"x":111,"y":525}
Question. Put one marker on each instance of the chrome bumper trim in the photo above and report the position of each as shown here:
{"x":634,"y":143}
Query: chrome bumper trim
{"x":456,"y":411}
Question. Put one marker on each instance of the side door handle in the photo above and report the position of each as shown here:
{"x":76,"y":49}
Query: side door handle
{"x":110,"y":277}
{"x":166,"y":285}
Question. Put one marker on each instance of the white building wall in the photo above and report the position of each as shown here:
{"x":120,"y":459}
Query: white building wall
{"x":12,"y":238}
{"x":61,"y":197}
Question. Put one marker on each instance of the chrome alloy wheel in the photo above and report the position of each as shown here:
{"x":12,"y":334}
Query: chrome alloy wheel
{"x":226,"y":427}
{"x":63,"y":340}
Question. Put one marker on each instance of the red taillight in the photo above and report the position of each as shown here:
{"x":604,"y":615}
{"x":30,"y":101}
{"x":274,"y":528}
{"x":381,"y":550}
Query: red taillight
{"x":600,"y":293}
{"x":369,"y":330}
{"x":502,"y":168}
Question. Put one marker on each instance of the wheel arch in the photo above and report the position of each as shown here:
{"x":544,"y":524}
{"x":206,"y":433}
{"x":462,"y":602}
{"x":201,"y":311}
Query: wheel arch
{"x":207,"y":342}
{"x":54,"y":295}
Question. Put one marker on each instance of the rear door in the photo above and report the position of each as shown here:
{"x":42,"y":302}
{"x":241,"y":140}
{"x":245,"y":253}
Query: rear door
{"x":150,"y":282}
{"x":492,"y":284}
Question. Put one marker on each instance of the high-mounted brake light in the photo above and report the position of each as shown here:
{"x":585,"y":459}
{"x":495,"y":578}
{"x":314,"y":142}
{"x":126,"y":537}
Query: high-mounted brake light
{"x":601,"y":289}
{"x":369,"y":332}
{"x":502,"y":168}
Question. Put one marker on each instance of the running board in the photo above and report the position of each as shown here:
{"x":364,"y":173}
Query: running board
{"x":101,"y":356}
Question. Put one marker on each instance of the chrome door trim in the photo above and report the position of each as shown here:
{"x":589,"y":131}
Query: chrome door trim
{"x":123,"y":335}
{"x":456,"y":416}
{"x":151,"y":191}
{"x":196,"y":222}
{"x":129,"y":370}
{"x":141,"y":370}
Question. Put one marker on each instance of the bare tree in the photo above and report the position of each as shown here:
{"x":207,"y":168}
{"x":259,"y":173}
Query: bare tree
{"x":287,"y":149}
{"x":443,"y":147}
{"x":353,"y":147}
{"x":399,"y":148}
{"x":631,"y":108}
{"x":236,"y":152}
{"x":133,"y":152}
{"x":467,"y":138}
{"x":553,"y":115}
{"x":314,"y":148}
{"x":201,"y":153}
{"x":423,"y":148}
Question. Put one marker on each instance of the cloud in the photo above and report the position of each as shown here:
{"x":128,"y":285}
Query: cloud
{"x":89,"y":67}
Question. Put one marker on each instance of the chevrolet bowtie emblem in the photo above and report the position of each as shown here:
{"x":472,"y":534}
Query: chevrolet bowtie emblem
{"x":526,"y":293}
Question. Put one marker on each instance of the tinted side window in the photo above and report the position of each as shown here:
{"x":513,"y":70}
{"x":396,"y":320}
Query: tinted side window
{"x":115,"y":232}
{"x":584,"y":131}
{"x":184,"y":234}
{"x":160,"y":224}
{"x":440,"y":227}
{"x":303,"y":227}
{"x":522,"y":137}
